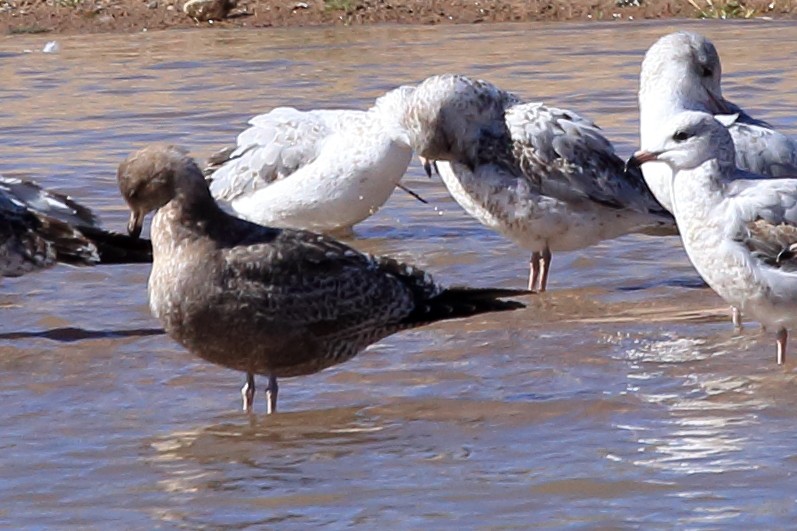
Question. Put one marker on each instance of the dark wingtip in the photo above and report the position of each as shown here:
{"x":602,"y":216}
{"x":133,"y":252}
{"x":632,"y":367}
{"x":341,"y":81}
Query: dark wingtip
{"x":117,"y":248}
{"x":457,"y":303}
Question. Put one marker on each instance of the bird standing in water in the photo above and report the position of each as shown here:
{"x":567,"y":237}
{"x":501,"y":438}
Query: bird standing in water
{"x":270,"y":301}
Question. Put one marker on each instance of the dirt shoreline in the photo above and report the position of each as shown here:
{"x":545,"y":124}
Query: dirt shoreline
{"x":95,"y":16}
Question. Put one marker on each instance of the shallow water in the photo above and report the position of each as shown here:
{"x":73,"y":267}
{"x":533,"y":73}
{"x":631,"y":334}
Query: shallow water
{"x":621,"y":398}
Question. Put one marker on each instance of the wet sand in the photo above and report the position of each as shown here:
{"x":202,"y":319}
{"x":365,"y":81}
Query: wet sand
{"x":99,"y":16}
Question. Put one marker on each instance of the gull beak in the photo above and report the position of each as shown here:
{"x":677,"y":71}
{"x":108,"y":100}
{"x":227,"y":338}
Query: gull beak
{"x":428,"y":166}
{"x":640,"y":157}
{"x":718,"y":105}
{"x":135,"y":223}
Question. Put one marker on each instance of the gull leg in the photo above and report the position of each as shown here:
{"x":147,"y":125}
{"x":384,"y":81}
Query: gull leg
{"x":248,"y":392}
{"x":736,"y":315}
{"x":271,"y":394}
{"x":782,"y":336}
{"x":534,"y":270}
{"x":545,"y":268}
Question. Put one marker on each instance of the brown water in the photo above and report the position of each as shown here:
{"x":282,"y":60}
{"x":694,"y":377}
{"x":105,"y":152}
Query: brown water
{"x":622,"y":398}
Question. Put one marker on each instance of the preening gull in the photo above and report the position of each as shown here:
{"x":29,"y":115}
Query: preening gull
{"x":39,"y":228}
{"x":740,"y":231}
{"x":682,"y":72}
{"x":544,"y":177}
{"x":270,"y":301}
{"x":321,"y":170}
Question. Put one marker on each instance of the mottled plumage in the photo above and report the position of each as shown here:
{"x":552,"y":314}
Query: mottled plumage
{"x":39,"y":228}
{"x":682,"y":71}
{"x":739,"y":233}
{"x":545,"y":177}
{"x":773,"y":244}
{"x":323,"y":170}
{"x":271,"y":301}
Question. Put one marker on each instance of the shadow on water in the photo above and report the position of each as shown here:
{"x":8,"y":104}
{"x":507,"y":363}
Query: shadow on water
{"x":693,"y":282}
{"x":69,"y":334}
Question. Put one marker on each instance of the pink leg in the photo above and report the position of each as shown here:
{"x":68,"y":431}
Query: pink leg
{"x":545,"y":268}
{"x":736,"y":315}
{"x":248,"y":392}
{"x":534,"y":270}
{"x":271,"y":394}
{"x":782,"y":336}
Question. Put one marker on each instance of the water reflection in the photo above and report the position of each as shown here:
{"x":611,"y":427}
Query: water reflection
{"x":622,"y":398}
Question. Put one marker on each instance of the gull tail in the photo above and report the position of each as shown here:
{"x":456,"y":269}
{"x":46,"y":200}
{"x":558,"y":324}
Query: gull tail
{"x":116,"y":248}
{"x":458,"y":302}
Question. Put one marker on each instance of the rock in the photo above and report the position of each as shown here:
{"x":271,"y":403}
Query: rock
{"x":205,"y":10}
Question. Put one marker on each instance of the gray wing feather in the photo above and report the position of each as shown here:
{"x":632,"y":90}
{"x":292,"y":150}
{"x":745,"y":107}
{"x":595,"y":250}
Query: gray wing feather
{"x":275,"y":146}
{"x":566,"y":156}
{"x":768,"y":209}
{"x":760,"y":148}
{"x":764,"y":151}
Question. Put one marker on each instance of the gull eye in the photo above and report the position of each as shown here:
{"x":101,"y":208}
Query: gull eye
{"x":680,"y":136}
{"x":706,"y":71}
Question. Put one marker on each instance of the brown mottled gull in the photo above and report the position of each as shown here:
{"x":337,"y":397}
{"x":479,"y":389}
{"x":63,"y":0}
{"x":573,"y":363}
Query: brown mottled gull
{"x":39,"y":228}
{"x":739,"y":230}
{"x":269,"y":301}
{"x":544,"y":177}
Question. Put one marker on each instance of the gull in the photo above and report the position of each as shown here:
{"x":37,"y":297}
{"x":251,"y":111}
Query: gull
{"x":739,"y":231}
{"x":271,"y":301}
{"x":682,"y":72}
{"x":320,"y":170}
{"x":544,"y":177}
{"x":40,"y":228}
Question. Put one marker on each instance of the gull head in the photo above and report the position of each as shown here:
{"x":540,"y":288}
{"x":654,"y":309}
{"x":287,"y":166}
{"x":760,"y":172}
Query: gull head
{"x":447,"y":115}
{"x":688,"y":140}
{"x":687,"y":67}
{"x":150,"y":178}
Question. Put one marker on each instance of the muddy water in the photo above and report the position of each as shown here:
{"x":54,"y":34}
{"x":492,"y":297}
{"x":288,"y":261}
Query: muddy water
{"x":622,"y":398}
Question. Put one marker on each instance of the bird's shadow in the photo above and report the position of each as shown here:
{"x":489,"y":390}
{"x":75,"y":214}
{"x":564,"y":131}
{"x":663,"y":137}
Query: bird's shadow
{"x":689,"y":283}
{"x":69,"y":334}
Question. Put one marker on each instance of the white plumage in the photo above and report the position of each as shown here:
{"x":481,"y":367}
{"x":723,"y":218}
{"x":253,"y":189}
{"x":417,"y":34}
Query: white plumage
{"x":739,"y":230}
{"x":544,"y":177}
{"x":321,"y":170}
{"x":682,"y":72}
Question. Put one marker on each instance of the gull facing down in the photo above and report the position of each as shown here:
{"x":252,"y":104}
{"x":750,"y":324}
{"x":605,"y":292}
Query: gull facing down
{"x":270,"y":301}
{"x":39,"y":228}
{"x":739,"y":231}
{"x":544,"y":177}
{"x":320,"y":170}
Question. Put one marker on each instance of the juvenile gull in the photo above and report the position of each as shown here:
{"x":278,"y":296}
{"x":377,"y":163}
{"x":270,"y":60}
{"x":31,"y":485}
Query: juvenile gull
{"x":544,"y":177}
{"x":682,"y":72}
{"x":739,"y":231}
{"x":270,"y":301}
{"x":39,"y":228}
{"x":321,"y":170}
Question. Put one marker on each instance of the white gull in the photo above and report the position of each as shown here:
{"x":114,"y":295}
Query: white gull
{"x":739,"y":231}
{"x":544,"y":177}
{"x":321,"y":170}
{"x":682,"y":72}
